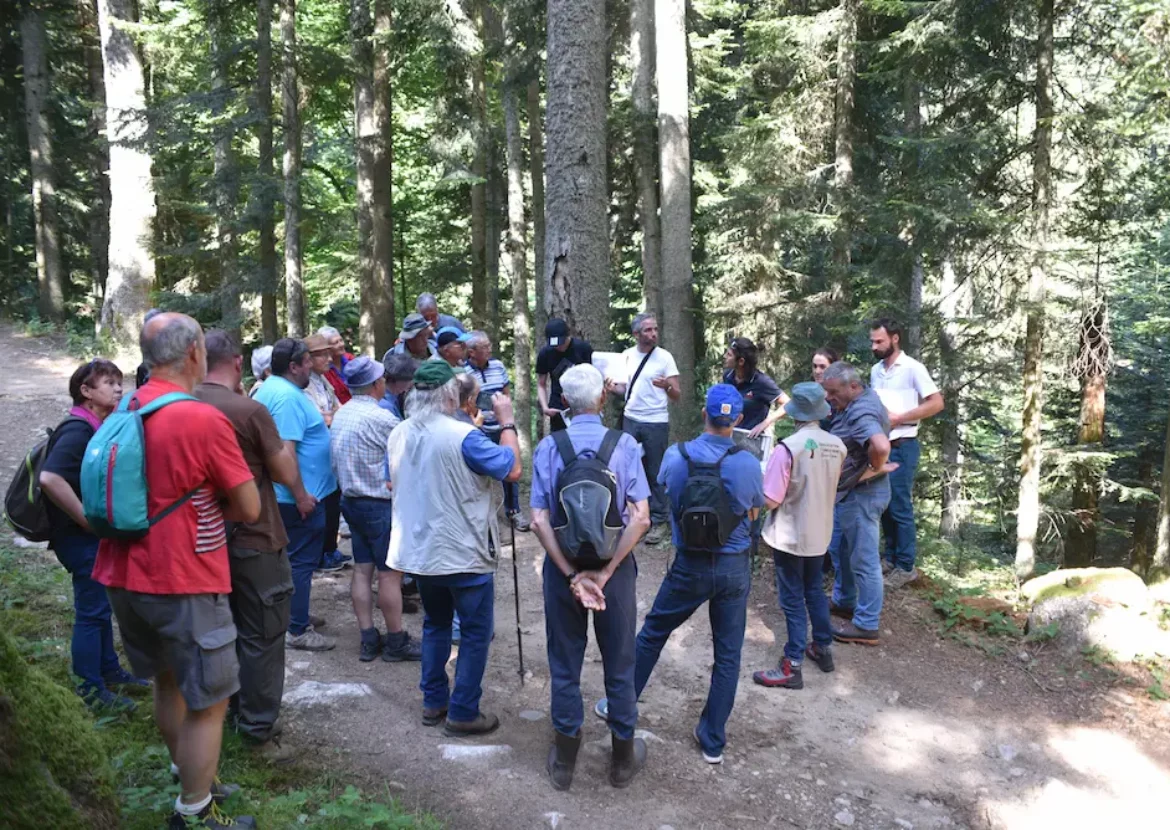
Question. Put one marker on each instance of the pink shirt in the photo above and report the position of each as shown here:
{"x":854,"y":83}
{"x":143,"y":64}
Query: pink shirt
{"x":778,"y":474}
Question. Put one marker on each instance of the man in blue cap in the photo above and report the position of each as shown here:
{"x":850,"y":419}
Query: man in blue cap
{"x":715,"y":491}
{"x":800,"y":489}
{"x":452,"y":346}
{"x":357,"y":446}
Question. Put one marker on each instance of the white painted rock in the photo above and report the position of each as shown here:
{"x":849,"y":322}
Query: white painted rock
{"x":312,"y":693}
{"x":472,"y":752}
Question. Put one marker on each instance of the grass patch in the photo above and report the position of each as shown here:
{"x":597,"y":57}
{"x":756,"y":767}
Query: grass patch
{"x":36,"y":609}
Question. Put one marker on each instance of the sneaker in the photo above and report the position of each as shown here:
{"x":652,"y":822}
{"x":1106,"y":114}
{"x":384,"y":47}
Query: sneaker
{"x":849,"y":633}
{"x":843,"y":611}
{"x":484,"y":724}
{"x":401,"y":648}
{"x":710,"y":759}
{"x":785,"y":676}
{"x":330,"y":563}
{"x":371,"y":647}
{"x":309,"y":641}
{"x":887,"y":566}
{"x":121,"y":677}
{"x":102,"y":701}
{"x":433,"y":717}
{"x":659,"y":533}
{"x":345,"y":559}
{"x":601,"y":709}
{"x":899,"y":578}
{"x":521,"y":524}
{"x":821,"y":655}
{"x":210,"y":817}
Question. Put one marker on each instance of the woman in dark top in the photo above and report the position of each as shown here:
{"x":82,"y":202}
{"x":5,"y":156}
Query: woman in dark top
{"x":822,"y":359}
{"x":760,"y":392}
{"x":96,"y":389}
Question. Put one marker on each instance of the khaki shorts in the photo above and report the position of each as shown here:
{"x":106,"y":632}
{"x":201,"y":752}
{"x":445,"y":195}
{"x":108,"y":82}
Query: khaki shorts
{"x":191,"y":635}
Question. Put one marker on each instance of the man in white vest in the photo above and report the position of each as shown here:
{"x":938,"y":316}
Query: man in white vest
{"x":444,"y":533}
{"x":800,"y":488}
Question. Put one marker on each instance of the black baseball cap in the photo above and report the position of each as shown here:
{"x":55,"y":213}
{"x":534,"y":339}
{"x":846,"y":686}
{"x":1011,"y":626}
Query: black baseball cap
{"x":557,"y":331}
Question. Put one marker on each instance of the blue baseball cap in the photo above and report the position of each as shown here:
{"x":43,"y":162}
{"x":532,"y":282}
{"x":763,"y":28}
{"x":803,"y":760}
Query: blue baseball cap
{"x":724,"y":404}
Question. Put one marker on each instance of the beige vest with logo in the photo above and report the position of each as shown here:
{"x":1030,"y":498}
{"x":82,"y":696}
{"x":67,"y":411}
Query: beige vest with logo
{"x":803,"y":523}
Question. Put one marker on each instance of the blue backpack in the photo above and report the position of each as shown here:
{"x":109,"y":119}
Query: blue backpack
{"x":114,"y":492}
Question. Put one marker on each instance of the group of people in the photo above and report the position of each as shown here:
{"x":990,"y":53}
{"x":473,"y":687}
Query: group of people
{"x":410,"y":450}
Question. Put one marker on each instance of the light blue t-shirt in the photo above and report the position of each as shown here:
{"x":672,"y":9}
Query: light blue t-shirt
{"x":298,"y":419}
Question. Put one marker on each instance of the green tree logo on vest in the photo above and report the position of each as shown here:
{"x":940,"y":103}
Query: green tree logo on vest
{"x":811,"y":446}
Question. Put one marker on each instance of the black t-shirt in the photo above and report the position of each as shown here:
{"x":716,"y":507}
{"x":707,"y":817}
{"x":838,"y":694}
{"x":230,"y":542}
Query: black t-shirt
{"x":65,"y":455}
{"x":554,"y":364}
{"x":759,"y":392}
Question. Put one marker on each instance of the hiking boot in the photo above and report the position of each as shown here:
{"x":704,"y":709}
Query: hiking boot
{"x":221,"y":792}
{"x":710,"y":759}
{"x":371,"y":645}
{"x":601,"y":709}
{"x":309,"y":641}
{"x":562,"y":759}
{"x":786,"y":676}
{"x":121,"y":677}
{"x":400,"y":647}
{"x":629,"y":756}
{"x":433,"y":717}
{"x":272,"y":751}
{"x":482,"y":725}
{"x":104,"y":702}
{"x":842,"y":611}
{"x":821,"y":655}
{"x":847,"y":632}
{"x":210,"y":817}
{"x":887,"y":566}
{"x":316,"y":622}
{"x":658,"y":534}
{"x":899,"y":578}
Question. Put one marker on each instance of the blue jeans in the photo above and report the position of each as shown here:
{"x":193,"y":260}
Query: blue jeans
{"x":834,"y":552}
{"x":92,"y":645}
{"x":799,"y":585}
{"x":898,"y":520}
{"x":723,"y":580}
{"x":369,"y":527}
{"x":304,"y":553}
{"x":858,"y":583}
{"x":566,"y":625}
{"x":476,"y":607}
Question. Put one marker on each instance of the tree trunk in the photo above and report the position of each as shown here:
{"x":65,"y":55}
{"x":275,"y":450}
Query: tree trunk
{"x":479,"y":170}
{"x":645,"y":150}
{"x":382,"y":301}
{"x":290,"y":96}
{"x":1031,"y":438}
{"x":50,"y":276}
{"x":536,"y":175}
{"x":1160,"y":563}
{"x":843,"y":135}
{"x":951,"y":308}
{"x":1145,"y":516}
{"x":224,"y":172}
{"x":674,"y":171}
{"x":912,"y":123}
{"x":1081,"y":544}
{"x":518,"y":265}
{"x":99,"y":214}
{"x":576,"y":258}
{"x":266,"y":187}
{"x":132,"y":207}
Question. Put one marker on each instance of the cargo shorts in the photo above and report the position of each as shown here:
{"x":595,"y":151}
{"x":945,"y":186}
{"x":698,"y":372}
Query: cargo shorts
{"x":191,"y":635}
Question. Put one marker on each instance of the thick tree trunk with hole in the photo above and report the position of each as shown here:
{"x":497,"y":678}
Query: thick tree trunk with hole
{"x":536,"y":177}
{"x":224,"y":172}
{"x":99,"y":213}
{"x":50,"y":275}
{"x":645,"y":150}
{"x":290,"y":100}
{"x":265,"y":191}
{"x":518,"y":266}
{"x":674,"y":172}
{"x":576,"y":258}
{"x":954,"y":303}
{"x":1031,"y":437}
{"x":132,"y":206}
{"x":843,"y":151}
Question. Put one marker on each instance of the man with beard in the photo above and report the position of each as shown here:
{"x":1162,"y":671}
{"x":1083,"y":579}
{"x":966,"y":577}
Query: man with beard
{"x":910,"y":396}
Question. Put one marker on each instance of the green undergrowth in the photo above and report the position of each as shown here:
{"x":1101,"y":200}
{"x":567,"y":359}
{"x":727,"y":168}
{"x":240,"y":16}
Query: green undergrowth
{"x":62,"y":768}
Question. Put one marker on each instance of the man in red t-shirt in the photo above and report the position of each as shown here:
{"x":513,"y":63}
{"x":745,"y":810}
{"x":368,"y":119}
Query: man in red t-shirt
{"x":169,"y":589}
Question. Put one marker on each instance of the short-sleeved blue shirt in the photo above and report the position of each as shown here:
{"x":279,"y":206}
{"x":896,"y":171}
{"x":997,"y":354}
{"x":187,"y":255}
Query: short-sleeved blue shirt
{"x":759,"y":393}
{"x":855,"y":425}
{"x":741,"y":476}
{"x":297,"y":419}
{"x":586,"y":432}
{"x":485,"y":457}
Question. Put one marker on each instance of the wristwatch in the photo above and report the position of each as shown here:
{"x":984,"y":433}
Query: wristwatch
{"x":570,"y":576}
{"x":509,"y":426}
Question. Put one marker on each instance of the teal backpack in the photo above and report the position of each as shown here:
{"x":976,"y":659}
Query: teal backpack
{"x":114,"y":492}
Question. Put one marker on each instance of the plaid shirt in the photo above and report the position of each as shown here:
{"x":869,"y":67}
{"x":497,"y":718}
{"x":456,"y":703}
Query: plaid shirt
{"x":357,"y":444}
{"x":492,"y":378}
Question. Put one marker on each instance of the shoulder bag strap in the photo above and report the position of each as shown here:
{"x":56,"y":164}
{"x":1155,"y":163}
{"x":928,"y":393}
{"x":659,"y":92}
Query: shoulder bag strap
{"x":638,"y":374}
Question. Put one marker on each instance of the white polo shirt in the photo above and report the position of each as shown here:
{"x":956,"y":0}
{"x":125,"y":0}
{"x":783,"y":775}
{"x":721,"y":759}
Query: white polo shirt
{"x":902,"y":387}
{"x":646,"y":402}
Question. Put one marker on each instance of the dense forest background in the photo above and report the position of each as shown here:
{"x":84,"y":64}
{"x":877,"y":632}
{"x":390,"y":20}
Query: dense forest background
{"x":992,"y":172}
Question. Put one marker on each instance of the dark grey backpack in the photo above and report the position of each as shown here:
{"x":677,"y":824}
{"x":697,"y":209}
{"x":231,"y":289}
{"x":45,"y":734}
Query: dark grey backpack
{"x":587,"y":519}
{"x":706,"y":519}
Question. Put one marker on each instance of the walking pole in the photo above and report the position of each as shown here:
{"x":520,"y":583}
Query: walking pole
{"x":516,"y":594}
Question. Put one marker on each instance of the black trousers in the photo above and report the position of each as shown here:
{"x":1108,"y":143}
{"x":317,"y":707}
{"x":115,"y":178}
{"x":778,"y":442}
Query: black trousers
{"x":261,"y":599}
{"x":332,"y":504}
{"x":654,"y":440}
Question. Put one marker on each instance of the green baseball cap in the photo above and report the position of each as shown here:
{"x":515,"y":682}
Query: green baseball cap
{"x":432,"y":374}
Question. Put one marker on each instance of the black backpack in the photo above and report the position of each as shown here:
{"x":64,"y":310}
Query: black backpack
{"x":587,"y":519}
{"x":706,"y":520}
{"x":25,"y":506}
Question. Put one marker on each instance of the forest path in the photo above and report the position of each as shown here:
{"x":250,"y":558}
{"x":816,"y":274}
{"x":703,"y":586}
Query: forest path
{"x":921,"y":732}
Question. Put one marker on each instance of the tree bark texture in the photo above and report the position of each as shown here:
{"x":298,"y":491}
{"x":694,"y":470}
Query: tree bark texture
{"x":912,"y":123}
{"x":536,"y":176}
{"x":382,"y":301}
{"x":674,"y":172}
{"x":132,"y":205}
{"x":50,"y":275}
{"x":225,"y":173}
{"x":953,"y":304}
{"x":479,"y":170}
{"x":1081,"y":543}
{"x":1145,"y":517}
{"x":576,"y":258}
{"x":99,"y":214}
{"x":265,"y":191}
{"x":290,"y":99}
{"x":843,"y":150}
{"x":645,"y":150}
{"x":1031,"y":437}
{"x":1160,"y":562}
{"x":518,"y":265}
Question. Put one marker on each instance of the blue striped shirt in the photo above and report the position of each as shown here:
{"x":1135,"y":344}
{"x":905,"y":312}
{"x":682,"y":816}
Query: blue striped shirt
{"x":492,"y":378}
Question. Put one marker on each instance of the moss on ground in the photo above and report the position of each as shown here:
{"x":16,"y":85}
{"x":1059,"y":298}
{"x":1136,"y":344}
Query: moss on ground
{"x":1118,"y":583}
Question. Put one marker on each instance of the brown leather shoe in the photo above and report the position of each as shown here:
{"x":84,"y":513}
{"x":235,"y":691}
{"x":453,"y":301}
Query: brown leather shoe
{"x":847,"y":632}
{"x":840,"y":611}
{"x":484,"y":724}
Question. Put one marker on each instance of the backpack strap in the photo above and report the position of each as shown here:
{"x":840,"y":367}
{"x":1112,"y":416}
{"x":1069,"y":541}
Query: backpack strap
{"x":682,"y":450}
{"x":722,"y":458}
{"x":175,"y":505}
{"x":565,"y":446}
{"x":159,"y":402}
{"x":608,"y":445}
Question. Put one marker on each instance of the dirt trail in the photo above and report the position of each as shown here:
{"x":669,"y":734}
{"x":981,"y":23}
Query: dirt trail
{"x":921,"y":732}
